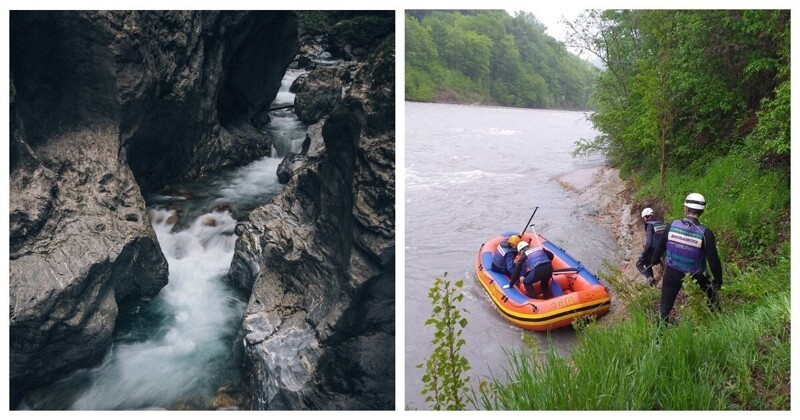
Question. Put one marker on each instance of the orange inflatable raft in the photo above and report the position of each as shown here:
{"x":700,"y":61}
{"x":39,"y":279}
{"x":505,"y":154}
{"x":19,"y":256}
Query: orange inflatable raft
{"x":577,"y":293}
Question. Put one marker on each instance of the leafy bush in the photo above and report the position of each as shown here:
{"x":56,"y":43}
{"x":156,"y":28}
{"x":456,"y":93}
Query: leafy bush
{"x":445,"y":380}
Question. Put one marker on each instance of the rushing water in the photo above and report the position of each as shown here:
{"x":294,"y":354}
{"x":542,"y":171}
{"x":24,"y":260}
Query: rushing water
{"x":181,"y":348}
{"x":471,"y":173}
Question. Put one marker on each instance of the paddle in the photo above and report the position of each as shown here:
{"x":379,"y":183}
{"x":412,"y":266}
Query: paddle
{"x":529,"y":221}
{"x":567,"y":270}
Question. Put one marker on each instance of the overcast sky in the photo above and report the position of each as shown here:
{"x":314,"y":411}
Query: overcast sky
{"x":551,"y":16}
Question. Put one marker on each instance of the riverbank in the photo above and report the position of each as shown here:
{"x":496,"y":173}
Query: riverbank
{"x":609,"y":202}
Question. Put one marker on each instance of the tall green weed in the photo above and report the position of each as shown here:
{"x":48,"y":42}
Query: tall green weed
{"x":746,"y":206}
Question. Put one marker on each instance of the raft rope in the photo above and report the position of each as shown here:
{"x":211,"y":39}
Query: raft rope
{"x":536,"y":235}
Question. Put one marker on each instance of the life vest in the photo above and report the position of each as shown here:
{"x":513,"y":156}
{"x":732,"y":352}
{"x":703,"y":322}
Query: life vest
{"x":498,"y":256}
{"x":658,"y":231}
{"x":535,"y":257}
{"x":685,"y":251}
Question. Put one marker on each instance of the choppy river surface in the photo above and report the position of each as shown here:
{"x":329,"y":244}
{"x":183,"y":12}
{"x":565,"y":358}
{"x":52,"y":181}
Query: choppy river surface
{"x":471,"y":173}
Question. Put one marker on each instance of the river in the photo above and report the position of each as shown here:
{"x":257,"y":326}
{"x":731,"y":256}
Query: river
{"x":471,"y":173}
{"x":182,"y":349}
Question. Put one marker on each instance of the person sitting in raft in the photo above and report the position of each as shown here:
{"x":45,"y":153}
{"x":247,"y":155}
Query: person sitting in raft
{"x":503,"y":258}
{"x":535,"y":264}
{"x":654,"y":230}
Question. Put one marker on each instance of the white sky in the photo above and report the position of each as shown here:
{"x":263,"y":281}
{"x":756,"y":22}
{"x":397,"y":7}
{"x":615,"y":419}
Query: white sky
{"x":551,"y":17}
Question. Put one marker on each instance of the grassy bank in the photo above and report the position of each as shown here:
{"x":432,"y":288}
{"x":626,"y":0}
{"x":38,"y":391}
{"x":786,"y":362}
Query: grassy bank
{"x":738,"y":358}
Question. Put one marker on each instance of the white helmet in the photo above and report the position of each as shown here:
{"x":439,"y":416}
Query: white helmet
{"x":521,"y":245}
{"x":647,"y":212}
{"x":695,"y":201}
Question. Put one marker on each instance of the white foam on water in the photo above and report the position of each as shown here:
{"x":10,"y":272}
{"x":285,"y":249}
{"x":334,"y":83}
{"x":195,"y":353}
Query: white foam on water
{"x":201,"y":314}
{"x":253,"y":181}
{"x":287,"y":131}
{"x":284,"y":97}
{"x":415,"y":179}
{"x":503,"y":132}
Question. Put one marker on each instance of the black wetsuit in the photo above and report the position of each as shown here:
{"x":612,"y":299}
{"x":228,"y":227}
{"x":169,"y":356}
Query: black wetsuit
{"x":643,"y":264}
{"x":673,"y":279}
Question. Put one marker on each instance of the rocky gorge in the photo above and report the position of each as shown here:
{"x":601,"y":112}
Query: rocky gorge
{"x":107,"y":106}
{"x":319,"y":259}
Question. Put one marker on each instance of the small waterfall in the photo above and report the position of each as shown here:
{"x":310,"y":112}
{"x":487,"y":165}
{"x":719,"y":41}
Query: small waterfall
{"x":287,"y":131}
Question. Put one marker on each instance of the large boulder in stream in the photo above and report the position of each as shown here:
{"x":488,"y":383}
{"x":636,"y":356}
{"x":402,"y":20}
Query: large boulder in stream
{"x":105,"y":105}
{"x":319,"y":325}
{"x":314,"y":144}
{"x":289,"y":165}
{"x":319,"y":93}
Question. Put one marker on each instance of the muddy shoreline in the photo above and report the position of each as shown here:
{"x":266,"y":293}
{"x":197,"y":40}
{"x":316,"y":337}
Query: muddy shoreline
{"x":608,"y":201}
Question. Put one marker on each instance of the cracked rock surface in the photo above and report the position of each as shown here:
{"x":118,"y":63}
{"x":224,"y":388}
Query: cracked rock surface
{"x":319,"y":326}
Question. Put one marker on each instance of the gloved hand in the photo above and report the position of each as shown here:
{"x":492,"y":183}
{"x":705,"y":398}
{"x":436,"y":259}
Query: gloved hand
{"x":640,"y":261}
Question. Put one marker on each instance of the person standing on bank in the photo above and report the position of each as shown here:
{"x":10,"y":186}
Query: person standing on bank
{"x":688,"y":245}
{"x":654,"y":230}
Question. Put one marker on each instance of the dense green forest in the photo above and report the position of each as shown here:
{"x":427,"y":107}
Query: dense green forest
{"x":492,"y":58}
{"x":690,"y":101}
{"x":686,"y":87}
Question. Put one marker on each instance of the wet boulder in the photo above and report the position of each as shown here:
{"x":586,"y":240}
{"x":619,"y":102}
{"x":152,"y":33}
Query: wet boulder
{"x":289,"y":165}
{"x":299,"y":84}
{"x":304,"y":61}
{"x":314,"y":145}
{"x":321,"y":93}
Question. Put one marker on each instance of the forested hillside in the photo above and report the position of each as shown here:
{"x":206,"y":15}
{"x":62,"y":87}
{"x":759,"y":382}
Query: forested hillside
{"x":492,"y":58}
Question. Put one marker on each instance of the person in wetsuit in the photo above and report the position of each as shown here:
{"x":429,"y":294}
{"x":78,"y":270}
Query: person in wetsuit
{"x":535,"y":264}
{"x":503,"y":257}
{"x":689,"y":246}
{"x":654,"y":230}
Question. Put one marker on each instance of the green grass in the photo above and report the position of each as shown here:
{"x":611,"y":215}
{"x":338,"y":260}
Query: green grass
{"x":736,"y":361}
{"x":747,"y":208}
